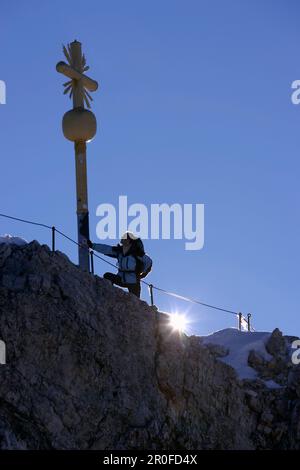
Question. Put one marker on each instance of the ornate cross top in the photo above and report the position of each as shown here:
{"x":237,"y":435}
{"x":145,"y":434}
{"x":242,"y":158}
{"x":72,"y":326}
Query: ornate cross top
{"x":80,"y":83}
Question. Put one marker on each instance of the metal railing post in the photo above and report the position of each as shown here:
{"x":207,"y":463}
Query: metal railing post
{"x":248,"y":319}
{"x":92,"y":261}
{"x":151,"y":294}
{"x":53,"y":238}
{"x":240,"y":321}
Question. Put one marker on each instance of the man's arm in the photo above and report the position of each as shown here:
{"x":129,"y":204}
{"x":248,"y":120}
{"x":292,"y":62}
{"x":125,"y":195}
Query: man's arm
{"x":107,"y":250}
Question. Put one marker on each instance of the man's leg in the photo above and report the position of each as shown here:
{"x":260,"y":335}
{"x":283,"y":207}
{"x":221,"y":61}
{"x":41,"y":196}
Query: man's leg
{"x":113,"y":278}
{"x":134,"y":289}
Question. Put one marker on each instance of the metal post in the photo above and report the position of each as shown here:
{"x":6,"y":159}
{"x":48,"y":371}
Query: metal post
{"x":82,"y":205}
{"x":81,"y":172}
{"x":53,"y":238}
{"x":249,"y":325}
{"x":92,"y":261}
{"x":79,"y":126}
{"x":240,"y":320}
{"x":151,"y":294}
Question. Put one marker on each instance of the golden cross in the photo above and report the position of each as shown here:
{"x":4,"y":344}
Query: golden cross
{"x":79,"y":84}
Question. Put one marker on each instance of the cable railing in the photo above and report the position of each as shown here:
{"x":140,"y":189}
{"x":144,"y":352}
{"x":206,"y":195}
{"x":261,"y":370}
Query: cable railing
{"x":243,"y":322}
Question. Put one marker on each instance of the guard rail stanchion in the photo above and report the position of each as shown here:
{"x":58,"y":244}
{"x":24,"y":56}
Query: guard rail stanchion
{"x":240,"y":321}
{"x":151,"y":294}
{"x":248,"y":319}
{"x":53,"y":238}
{"x":92,"y":261}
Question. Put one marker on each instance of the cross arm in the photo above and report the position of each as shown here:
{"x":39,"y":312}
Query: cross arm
{"x":65,"y":69}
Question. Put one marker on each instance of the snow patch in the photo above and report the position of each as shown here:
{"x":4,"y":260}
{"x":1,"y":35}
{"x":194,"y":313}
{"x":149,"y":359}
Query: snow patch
{"x":239,"y":345}
{"x":10,"y":240}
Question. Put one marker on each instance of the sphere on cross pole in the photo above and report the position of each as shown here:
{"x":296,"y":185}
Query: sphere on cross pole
{"x":79,"y":124}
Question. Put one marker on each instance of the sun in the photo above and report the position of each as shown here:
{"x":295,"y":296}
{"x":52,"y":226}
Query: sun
{"x":178,"y":322}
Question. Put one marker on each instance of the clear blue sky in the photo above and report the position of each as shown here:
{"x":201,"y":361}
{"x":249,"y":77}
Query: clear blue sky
{"x":194,"y":107}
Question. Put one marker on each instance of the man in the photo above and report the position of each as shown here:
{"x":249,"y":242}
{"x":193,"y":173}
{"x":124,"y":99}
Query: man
{"x":133,"y":263}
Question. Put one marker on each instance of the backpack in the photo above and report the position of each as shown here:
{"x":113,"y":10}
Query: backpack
{"x":143,"y":261}
{"x":144,"y":265}
{"x":138,"y":247}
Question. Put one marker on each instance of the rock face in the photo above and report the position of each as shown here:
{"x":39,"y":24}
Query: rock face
{"x":92,"y":367}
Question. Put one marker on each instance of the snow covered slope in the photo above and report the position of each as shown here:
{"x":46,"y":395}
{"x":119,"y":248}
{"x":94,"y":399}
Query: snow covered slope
{"x":10,"y":240}
{"x":239,"y":344}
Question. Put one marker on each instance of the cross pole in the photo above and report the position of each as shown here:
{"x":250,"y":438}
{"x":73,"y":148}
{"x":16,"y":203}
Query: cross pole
{"x":79,"y":126}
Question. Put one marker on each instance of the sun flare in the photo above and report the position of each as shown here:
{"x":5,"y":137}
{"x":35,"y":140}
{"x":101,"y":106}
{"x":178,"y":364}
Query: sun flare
{"x":178,"y":322}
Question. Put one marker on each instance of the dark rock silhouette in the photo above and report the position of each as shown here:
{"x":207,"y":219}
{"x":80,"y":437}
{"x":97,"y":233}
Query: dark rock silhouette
{"x":90,"y":366}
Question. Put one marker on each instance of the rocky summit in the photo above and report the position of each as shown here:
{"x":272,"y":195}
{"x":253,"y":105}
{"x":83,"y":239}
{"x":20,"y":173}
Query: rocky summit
{"x":89,"y":366}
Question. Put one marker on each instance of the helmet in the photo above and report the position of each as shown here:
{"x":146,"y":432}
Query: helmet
{"x":128,"y":236}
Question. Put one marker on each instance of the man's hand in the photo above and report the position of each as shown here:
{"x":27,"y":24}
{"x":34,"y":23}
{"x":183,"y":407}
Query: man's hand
{"x":89,"y":244}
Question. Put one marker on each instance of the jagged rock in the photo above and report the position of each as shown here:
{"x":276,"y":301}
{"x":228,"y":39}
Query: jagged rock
{"x":217,"y":350}
{"x":276,"y":368}
{"x":254,"y":401}
{"x":90,"y":366}
{"x":256,"y":360}
{"x":294,"y":379}
{"x":267,"y":430}
{"x":267,"y":417}
{"x":34,"y":282}
{"x":276,"y":344}
{"x":279,"y":431}
{"x":5,"y":252}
